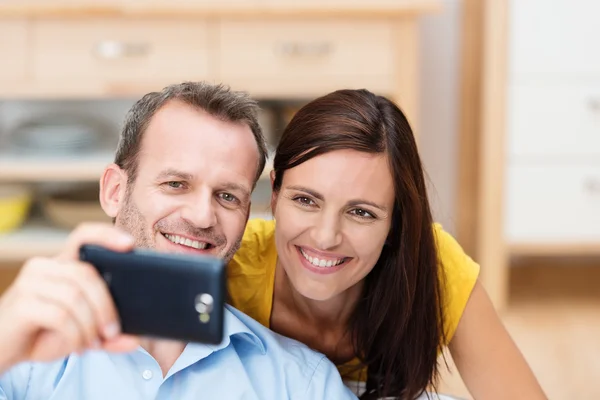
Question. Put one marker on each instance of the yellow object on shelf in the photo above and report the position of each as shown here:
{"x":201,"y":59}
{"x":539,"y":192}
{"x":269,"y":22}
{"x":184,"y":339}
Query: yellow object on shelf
{"x":15,"y":203}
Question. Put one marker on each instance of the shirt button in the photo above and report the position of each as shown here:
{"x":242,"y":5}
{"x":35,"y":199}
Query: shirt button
{"x":147,"y":374}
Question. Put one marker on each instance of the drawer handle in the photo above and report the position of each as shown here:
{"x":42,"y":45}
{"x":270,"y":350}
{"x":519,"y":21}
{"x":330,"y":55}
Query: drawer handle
{"x":592,"y":186}
{"x":112,"y":49}
{"x":294,"y":49}
{"x":594,"y":104}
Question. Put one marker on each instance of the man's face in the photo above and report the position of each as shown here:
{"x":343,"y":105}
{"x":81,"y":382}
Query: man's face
{"x":193,"y":186}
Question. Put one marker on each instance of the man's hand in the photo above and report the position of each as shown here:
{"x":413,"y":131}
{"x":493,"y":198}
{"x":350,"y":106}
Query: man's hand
{"x":58,"y":306}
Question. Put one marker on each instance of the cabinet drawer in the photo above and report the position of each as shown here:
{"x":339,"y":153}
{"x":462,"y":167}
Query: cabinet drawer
{"x":554,"y":120}
{"x":556,"y":37}
{"x":311,"y":57}
{"x":14,"y":50}
{"x":120,"y":51}
{"x":553,"y":204}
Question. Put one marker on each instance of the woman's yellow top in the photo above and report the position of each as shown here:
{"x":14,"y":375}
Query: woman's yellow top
{"x":251,"y":277}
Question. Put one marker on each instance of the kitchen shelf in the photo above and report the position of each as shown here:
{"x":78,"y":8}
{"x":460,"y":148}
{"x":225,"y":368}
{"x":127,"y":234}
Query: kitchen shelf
{"x":53,"y":169}
{"x":40,"y":238}
{"x":36,"y":238}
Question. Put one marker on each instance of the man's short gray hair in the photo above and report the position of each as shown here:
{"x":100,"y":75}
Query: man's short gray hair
{"x":217,"y":100}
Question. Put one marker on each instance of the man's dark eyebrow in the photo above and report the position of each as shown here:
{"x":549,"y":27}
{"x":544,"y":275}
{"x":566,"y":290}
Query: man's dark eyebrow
{"x":173,"y":173}
{"x":319,"y":196}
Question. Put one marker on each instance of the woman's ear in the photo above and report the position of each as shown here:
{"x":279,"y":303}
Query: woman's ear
{"x":272,"y":177}
{"x":274,"y":193}
{"x":113,"y":187}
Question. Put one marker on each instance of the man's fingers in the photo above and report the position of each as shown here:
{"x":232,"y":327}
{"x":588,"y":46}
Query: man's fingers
{"x":74,"y":307}
{"x":47,"y":315}
{"x":121,"y":344}
{"x":98,"y":296}
{"x":82,"y":285}
{"x":99,"y":234}
{"x":83,"y":282}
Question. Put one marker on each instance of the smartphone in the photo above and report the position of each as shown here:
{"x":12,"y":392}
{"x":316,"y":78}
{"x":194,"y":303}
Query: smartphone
{"x":172,"y":296}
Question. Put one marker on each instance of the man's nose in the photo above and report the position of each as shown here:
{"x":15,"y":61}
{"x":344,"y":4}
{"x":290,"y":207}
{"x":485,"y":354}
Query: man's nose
{"x":200,"y":210}
{"x":327,"y":233}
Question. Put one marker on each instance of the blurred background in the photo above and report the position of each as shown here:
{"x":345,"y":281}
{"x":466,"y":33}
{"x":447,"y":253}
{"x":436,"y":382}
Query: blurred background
{"x":503,"y":96}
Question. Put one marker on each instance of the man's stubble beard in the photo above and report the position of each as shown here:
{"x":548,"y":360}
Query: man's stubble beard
{"x":133,"y":221}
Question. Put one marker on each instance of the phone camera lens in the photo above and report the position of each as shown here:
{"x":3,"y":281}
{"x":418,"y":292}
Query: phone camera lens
{"x":204,"y":303}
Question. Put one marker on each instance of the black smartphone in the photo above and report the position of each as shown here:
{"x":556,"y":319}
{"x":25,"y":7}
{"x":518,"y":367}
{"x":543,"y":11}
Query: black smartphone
{"x":173,"y":296}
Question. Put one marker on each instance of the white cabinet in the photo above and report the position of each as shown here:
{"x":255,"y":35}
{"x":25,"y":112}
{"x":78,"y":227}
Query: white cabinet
{"x":554,"y":39}
{"x":552,"y":169}
{"x":554,"y":120}
{"x":553,"y":204}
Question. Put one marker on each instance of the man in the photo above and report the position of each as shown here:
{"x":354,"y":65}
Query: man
{"x":187,"y":162}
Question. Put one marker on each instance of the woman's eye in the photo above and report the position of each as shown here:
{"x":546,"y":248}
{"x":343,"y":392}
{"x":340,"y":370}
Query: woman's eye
{"x":304,"y":201}
{"x":362,"y":213}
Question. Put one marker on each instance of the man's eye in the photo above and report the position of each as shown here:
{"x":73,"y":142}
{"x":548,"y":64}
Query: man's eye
{"x":175,"y":184}
{"x":228,"y":197}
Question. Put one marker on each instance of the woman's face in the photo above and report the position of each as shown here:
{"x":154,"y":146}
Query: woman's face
{"x":333,"y":216}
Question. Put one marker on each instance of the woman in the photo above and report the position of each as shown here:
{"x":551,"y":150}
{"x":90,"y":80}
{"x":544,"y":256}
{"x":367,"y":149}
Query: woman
{"x":354,"y":266}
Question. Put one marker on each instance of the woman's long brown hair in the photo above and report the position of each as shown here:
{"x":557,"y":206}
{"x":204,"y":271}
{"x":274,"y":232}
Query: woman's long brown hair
{"x":397,"y":327}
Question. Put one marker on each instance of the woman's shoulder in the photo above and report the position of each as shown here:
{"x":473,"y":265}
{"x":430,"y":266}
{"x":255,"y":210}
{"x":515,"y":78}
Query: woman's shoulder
{"x":459,"y":275}
{"x":256,"y":248}
{"x":250,"y":274}
{"x":451,"y":254}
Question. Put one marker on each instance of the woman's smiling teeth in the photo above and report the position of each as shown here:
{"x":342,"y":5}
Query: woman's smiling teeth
{"x":186,"y":242}
{"x":321,"y":262}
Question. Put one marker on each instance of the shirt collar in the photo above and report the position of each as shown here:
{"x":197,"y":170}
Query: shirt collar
{"x":234,"y":327}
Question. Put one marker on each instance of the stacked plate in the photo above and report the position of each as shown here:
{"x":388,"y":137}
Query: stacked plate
{"x":55,"y":136}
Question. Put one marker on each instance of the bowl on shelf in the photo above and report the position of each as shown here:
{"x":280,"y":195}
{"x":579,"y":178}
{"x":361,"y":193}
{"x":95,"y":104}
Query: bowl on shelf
{"x":15,"y":203}
{"x":70,"y":208}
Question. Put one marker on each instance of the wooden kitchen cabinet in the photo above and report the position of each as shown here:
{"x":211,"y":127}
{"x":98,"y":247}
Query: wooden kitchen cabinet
{"x":274,"y":49}
{"x":14,"y":50}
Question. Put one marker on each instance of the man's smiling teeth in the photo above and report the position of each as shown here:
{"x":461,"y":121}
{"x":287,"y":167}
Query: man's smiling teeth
{"x":186,"y":242}
{"x":320,"y":262}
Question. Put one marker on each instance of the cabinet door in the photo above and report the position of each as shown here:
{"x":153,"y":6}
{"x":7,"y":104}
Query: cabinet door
{"x":551,"y":120}
{"x":557,"y":203}
{"x":14,"y":50}
{"x":306,"y":57}
{"x":556,"y":38}
{"x":109,"y":52}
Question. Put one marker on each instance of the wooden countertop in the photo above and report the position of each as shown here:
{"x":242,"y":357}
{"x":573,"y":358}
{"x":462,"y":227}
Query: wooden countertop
{"x":224,"y":8}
